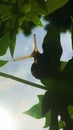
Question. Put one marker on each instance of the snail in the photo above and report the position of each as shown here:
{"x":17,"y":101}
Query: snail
{"x":44,"y":64}
{"x":40,"y":62}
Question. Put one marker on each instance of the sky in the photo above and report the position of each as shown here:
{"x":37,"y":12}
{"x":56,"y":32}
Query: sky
{"x":16,"y":97}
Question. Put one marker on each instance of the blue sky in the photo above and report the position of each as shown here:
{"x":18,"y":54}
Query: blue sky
{"x":18,"y":97}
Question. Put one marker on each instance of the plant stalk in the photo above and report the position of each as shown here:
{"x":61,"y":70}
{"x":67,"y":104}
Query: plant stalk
{"x":22,"y":81}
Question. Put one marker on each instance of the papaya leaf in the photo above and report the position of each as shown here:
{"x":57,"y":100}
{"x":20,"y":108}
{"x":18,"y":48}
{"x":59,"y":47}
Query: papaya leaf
{"x":5,"y":11}
{"x":29,"y":17}
{"x":13,"y":1}
{"x":42,"y":7}
{"x":46,"y":102}
{"x":4,"y":0}
{"x":26,"y":8}
{"x":47,"y":119}
{"x":20,"y":3}
{"x":12,"y":44}
{"x":61,"y":124}
{"x":57,"y":4}
{"x":35,"y":19}
{"x":22,"y":19}
{"x":38,"y":7}
{"x":63,"y":64}
{"x":2,"y":63}
{"x":4,"y":43}
{"x":70,"y":109}
{"x":36,"y":110}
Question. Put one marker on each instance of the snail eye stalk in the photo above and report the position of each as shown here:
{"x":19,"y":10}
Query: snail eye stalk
{"x":35,"y":44}
{"x":32,"y":55}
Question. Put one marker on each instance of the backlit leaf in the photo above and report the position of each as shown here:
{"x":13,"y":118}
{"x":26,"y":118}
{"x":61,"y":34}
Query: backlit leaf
{"x":42,"y":8}
{"x":35,"y":19}
{"x":22,"y":19}
{"x":5,"y":11}
{"x":38,"y":7}
{"x":2,"y":63}
{"x":63,"y":64}
{"x":70,"y":109}
{"x":53,"y":5}
{"x":26,"y":8}
{"x":12,"y":44}
{"x":4,"y":43}
{"x":20,"y":3}
{"x":46,"y":104}
{"x":47,"y":119}
{"x":36,"y":110}
{"x":61,"y":124}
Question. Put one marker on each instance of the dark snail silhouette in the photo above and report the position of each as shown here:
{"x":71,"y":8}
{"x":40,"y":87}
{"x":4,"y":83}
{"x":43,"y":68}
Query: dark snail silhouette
{"x":44,"y":64}
{"x":40,"y":62}
{"x":36,"y":66}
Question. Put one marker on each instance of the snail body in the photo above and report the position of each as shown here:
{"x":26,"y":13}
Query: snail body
{"x":46,"y":64}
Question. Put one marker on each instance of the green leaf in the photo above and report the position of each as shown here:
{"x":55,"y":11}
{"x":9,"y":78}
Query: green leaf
{"x":22,"y":19}
{"x":61,"y":125}
{"x":46,"y":103}
{"x":20,"y":3}
{"x":38,"y":7}
{"x":70,"y":109}
{"x":5,"y":0}
{"x":4,"y":43}
{"x":35,"y":19}
{"x":42,"y":8}
{"x":5,"y":11}
{"x":36,"y":110}
{"x":47,"y":119}
{"x":54,"y":121}
{"x":13,"y":1}
{"x":12,"y":44}
{"x":26,"y":8}
{"x":53,"y":5}
{"x":63,"y":64}
{"x":2,"y":63}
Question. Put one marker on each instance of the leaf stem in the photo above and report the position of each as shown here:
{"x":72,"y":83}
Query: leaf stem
{"x":22,"y":81}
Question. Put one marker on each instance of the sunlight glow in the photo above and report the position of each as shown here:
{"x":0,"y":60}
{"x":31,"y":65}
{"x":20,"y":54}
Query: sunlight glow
{"x":6,"y":119}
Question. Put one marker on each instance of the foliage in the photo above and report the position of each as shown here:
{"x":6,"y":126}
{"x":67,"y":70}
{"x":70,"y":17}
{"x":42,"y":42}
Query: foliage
{"x":22,"y":14}
{"x":53,"y":73}
{"x":61,"y":18}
